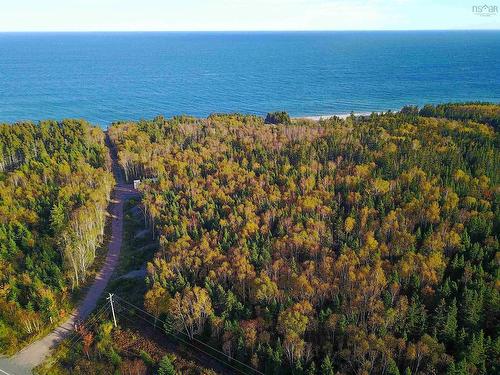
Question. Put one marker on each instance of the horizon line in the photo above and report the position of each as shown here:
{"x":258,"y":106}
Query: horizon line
{"x":236,"y":31}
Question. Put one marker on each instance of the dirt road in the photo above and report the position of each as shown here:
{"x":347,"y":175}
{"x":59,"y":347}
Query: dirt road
{"x":34,"y":354}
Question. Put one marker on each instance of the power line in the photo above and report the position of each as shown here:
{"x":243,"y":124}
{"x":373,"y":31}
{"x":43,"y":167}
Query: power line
{"x":189,"y":344}
{"x":186,"y":343}
{"x":106,"y":307}
{"x":70,"y":343}
{"x":92,"y":320}
{"x":193,"y":339}
{"x":76,"y":336}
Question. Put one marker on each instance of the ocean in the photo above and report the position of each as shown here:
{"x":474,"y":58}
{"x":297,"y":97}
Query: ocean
{"x":107,"y":77}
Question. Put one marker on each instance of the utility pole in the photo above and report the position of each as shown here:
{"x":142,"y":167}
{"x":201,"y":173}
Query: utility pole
{"x":110,"y":298}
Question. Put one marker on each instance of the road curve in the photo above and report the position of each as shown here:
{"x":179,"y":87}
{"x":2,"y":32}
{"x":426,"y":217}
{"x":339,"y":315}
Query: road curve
{"x":34,"y":354}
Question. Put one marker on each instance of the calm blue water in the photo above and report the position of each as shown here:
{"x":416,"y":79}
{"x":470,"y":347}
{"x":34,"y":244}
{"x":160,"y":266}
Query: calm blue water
{"x":104,"y":77}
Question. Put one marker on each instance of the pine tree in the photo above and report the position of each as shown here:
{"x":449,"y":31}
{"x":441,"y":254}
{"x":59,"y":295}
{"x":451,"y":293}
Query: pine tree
{"x":327,"y":366}
{"x":166,"y":367}
{"x":477,"y":353}
{"x":392,"y":367}
{"x":462,"y":368}
{"x":312,"y":369}
{"x":450,"y":327}
{"x":451,"y":370}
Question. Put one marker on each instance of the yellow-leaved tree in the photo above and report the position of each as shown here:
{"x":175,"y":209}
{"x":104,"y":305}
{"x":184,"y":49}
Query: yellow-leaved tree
{"x":190,"y":310}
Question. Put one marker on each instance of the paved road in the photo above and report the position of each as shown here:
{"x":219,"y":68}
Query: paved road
{"x":31,"y":356}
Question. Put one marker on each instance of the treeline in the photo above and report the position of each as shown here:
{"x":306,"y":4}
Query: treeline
{"x":487,"y":113}
{"x":55,"y":185}
{"x":357,"y":246}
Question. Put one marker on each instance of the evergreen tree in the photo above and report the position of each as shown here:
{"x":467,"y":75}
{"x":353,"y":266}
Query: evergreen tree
{"x":311,"y":369}
{"x":477,"y":353}
{"x":166,"y":367}
{"x":327,"y":366}
{"x":392,"y":367}
{"x":450,"y":327}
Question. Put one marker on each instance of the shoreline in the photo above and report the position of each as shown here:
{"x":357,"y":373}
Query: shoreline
{"x":342,"y":116}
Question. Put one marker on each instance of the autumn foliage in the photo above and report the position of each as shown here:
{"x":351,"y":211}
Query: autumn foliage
{"x":54,"y":191}
{"x":365,"y":245}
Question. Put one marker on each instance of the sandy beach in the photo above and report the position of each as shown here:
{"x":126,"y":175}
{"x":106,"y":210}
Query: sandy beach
{"x":340,"y":115}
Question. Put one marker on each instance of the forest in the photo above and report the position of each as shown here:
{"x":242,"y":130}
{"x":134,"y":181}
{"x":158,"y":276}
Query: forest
{"x":480,"y":112}
{"x":55,"y":183}
{"x":360,"y":246}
